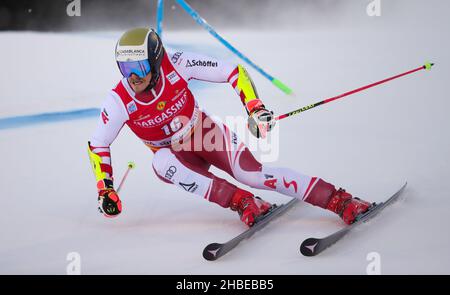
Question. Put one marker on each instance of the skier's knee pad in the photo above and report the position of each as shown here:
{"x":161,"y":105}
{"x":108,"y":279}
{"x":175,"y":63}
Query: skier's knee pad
{"x":247,"y":170}
{"x":250,"y":178}
{"x":162,"y":160}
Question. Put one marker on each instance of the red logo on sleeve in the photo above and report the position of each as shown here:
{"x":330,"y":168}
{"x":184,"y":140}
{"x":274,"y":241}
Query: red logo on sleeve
{"x":105,"y":118}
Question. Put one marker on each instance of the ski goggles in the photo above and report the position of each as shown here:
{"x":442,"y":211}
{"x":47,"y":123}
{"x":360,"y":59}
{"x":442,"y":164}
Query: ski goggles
{"x":139,"y":68}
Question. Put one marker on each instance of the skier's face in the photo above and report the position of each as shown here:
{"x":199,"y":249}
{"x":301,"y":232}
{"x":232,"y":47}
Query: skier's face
{"x":139,"y":84}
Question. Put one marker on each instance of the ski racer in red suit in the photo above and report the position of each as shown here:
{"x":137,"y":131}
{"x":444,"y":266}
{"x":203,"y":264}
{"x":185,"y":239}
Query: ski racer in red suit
{"x":154,"y":101}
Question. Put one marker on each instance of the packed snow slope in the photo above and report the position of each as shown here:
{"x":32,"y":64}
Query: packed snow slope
{"x":369,"y":143}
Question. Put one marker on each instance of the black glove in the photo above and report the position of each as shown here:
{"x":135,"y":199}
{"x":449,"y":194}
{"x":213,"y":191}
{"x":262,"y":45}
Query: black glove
{"x":109,"y":203}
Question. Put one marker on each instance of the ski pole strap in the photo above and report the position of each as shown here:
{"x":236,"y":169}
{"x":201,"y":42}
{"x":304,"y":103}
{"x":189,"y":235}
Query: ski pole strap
{"x":427,"y":66}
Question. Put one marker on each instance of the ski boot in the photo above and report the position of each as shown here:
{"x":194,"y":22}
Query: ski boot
{"x":248,"y":206}
{"x":347,"y":207}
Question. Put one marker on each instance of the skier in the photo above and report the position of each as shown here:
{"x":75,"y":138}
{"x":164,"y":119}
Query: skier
{"x":154,"y":100}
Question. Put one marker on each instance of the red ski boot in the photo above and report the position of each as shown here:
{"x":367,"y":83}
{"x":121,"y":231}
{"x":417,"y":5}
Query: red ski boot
{"x":248,"y":206}
{"x":347,"y":207}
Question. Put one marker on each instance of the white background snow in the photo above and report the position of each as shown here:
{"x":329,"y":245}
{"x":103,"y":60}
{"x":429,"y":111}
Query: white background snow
{"x":368,"y":143}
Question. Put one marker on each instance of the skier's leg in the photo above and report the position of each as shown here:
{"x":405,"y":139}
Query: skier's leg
{"x":239,"y":162}
{"x":289,"y":182}
{"x":189,"y":172}
{"x":231,"y":155}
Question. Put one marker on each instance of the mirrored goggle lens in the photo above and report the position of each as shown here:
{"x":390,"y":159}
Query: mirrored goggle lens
{"x":140,"y":68}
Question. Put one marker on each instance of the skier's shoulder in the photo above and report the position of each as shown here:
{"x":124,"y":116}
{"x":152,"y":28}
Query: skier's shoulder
{"x":183,"y":58}
{"x":122,"y":92}
{"x":178,"y":60}
{"x":115,"y":99}
{"x":201,"y":66}
{"x":176,"y":56}
{"x":119,"y":88}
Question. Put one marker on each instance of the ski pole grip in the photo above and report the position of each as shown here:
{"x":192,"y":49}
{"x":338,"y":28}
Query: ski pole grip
{"x":428,"y":66}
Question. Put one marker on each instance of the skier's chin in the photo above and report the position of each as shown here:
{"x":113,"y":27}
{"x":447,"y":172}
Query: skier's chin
{"x":139,"y":85}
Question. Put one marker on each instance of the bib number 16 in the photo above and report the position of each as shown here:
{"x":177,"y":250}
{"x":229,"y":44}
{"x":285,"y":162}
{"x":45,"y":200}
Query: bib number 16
{"x":173,"y":127}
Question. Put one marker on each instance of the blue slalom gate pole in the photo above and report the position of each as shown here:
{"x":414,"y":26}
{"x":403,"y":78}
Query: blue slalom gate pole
{"x":35,"y":119}
{"x":210,"y":29}
{"x":159,"y":17}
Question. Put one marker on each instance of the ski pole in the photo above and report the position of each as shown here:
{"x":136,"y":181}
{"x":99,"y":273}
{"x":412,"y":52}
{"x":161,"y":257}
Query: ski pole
{"x":427,"y":66}
{"x":131,"y":165}
{"x":159,"y":17}
{"x":202,"y":22}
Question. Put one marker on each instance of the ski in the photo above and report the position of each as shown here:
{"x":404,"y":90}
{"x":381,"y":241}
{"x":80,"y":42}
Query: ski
{"x":313,"y":246}
{"x":216,"y":250}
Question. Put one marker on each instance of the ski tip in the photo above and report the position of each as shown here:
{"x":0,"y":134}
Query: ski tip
{"x":309,"y":247}
{"x":211,"y":252}
{"x":404,"y":184}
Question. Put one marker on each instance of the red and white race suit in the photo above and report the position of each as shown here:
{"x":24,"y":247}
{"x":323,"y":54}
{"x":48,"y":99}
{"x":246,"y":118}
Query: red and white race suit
{"x":171,"y":118}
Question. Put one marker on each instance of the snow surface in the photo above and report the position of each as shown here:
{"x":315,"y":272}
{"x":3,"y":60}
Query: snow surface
{"x":368,"y":143}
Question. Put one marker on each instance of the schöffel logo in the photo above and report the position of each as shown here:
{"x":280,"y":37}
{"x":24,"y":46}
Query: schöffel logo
{"x":201,"y":63}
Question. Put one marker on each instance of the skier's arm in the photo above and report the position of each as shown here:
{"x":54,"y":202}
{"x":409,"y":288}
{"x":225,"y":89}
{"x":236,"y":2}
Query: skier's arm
{"x":243,"y":85}
{"x":260,"y":120}
{"x":110,"y":122}
{"x":199,"y":67}
{"x":205,"y":68}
